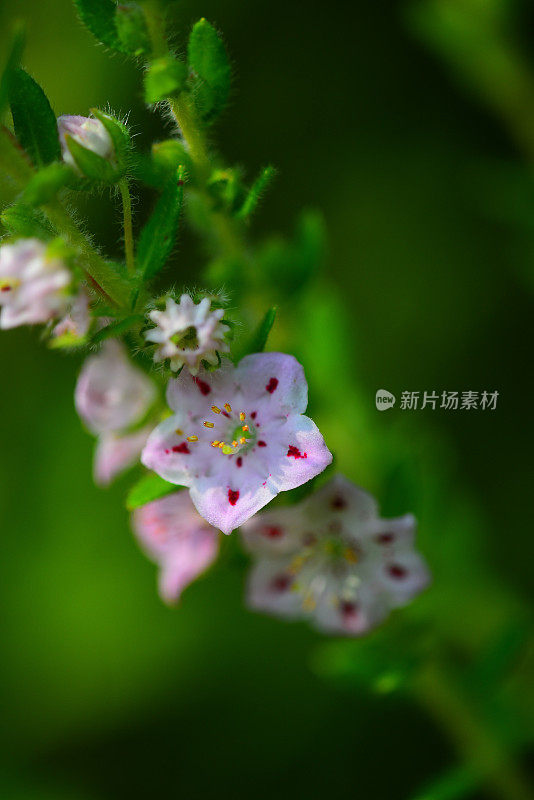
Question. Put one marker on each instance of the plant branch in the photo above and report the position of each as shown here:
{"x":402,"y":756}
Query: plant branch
{"x":128,"y":230}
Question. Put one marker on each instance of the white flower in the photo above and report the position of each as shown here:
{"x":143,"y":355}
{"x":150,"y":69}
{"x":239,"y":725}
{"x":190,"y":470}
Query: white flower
{"x":33,"y":284}
{"x":88,"y":132}
{"x":333,"y":560}
{"x":77,"y":320}
{"x":187,"y":333}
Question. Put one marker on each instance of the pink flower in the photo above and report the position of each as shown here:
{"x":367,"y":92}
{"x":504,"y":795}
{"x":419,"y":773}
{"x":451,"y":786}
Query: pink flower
{"x":111,"y":394}
{"x":188,"y":333}
{"x":88,"y":132}
{"x":238,"y":437}
{"x":77,"y":320}
{"x":178,"y":539}
{"x":332,"y":559}
{"x":33,"y":285}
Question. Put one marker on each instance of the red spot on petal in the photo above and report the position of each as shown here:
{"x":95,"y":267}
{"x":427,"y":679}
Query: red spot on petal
{"x":273,"y":532}
{"x":181,"y":448}
{"x":261,"y":443}
{"x":239,"y":461}
{"x":385,"y":538}
{"x":396,"y":571}
{"x":281,"y":583}
{"x":233,"y":496}
{"x":272,"y":385}
{"x":295,"y":452}
{"x":204,"y":387}
{"x":348,"y":610}
{"x":225,"y":414}
{"x":338,"y":502}
{"x":5,"y":289}
{"x":253,"y":415}
{"x":167,"y":452}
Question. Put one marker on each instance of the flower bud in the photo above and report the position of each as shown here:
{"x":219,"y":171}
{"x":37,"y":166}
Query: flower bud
{"x":89,"y":133}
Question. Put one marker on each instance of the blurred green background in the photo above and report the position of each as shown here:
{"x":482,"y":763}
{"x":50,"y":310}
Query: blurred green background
{"x":428,"y":201}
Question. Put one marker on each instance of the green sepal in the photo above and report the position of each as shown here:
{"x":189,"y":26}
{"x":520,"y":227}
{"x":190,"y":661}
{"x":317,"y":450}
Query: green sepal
{"x":21,"y":220}
{"x":68,"y":341}
{"x":159,"y":234}
{"x":165,"y":76}
{"x":15,"y":50}
{"x":34,"y":121}
{"x":257,"y":341}
{"x":119,"y":135}
{"x":150,"y":487}
{"x":256,"y":191}
{"x":98,"y":16}
{"x":90,"y":164}
{"x":46,"y":183}
{"x":210,"y":68}
{"x":132,"y":29}
{"x":117,"y":328}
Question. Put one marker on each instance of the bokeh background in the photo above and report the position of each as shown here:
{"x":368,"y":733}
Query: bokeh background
{"x":416,"y":151}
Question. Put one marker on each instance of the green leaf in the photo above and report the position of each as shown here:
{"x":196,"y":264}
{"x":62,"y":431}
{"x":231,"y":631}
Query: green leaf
{"x":117,"y":328}
{"x":14,"y":55}
{"x":150,"y":487}
{"x":90,"y":164}
{"x":159,"y":234}
{"x":33,"y":118}
{"x":258,"y":340}
{"x":46,"y":183}
{"x":99,"y":17}
{"x":258,"y":188}
{"x":169,"y":155}
{"x":165,"y":76}
{"x":132,"y":29}
{"x":456,"y":783}
{"x":20,"y":220}
{"x":210,"y":66}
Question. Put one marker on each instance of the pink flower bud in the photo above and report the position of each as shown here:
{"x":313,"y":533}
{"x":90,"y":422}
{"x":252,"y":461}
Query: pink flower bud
{"x":88,"y":132}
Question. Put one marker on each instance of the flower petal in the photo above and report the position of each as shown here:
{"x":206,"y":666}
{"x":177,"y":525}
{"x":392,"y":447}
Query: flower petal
{"x":227,"y":505}
{"x":296,"y":452}
{"x":195,"y":395}
{"x":270,"y":588}
{"x":276,"y":380}
{"x":114,"y":454}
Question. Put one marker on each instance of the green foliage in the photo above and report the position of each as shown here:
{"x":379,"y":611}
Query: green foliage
{"x":119,"y":135}
{"x":117,"y":328}
{"x":159,"y":234}
{"x":209,"y":64}
{"x":33,"y":118}
{"x":165,"y":76}
{"x":224,"y":185}
{"x":150,"y":487}
{"x":256,"y":191}
{"x":290,"y":265}
{"x":13,"y":58}
{"x":46,"y":183}
{"x":169,"y":155}
{"x":90,"y":164}
{"x":456,"y":783}
{"x":258,"y":340}
{"x":21,"y":220}
{"x":132,"y":29}
{"x":99,"y":17}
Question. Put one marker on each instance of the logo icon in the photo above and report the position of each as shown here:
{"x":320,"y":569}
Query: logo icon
{"x":384,"y":400}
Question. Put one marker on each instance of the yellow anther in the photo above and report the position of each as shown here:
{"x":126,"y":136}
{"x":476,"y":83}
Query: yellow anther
{"x":234,"y":443}
{"x":242,"y":440}
{"x":215,"y":443}
{"x":228,"y":407}
{"x":192,"y":438}
{"x":308,"y":604}
{"x":245,"y":428}
{"x":179,"y":432}
{"x":351,"y":555}
{"x":216,"y":410}
{"x":221,"y":445}
{"x":209,"y":424}
{"x":242,"y":416}
{"x":296,"y":565}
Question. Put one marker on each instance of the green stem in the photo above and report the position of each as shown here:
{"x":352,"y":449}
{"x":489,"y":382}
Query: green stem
{"x":128,"y":230}
{"x":473,"y":739}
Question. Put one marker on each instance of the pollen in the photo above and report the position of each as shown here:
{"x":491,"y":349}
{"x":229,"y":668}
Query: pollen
{"x":234,"y":443}
{"x":228,"y":407}
{"x":245,"y":428}
{"x":216,"y":410}
{"x":242,"y":416}
{"x":242,"y":440}
{"x":192,"y":438}
{"x":215,"y":443}
{"x":209,"y":424}
{"x":351,"y":555}
{"x":221,"y":445}
{"x":179,"y":432}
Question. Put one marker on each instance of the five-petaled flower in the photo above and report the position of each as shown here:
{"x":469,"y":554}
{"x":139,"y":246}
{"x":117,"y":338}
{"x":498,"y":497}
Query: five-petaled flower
{"x":86,"y":131}
{"x":188,"y":333}
{"x":238,"y":437}
{"x":332,"y":559}
{"x":33,"y":284}
{"x":112,"y":396}
{"x":177,"y":538}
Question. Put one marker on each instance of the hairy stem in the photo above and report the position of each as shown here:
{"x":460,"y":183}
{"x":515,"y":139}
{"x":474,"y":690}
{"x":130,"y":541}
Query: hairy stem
{"x":128,"y":230}
{"x":473,"y":739}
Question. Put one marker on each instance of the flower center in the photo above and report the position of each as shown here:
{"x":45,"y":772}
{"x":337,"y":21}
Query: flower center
{"x":186,"y":339}
{"x":239,"y":434}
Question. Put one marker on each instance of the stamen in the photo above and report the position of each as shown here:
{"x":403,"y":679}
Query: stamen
{"x":308,"y":604}
{"x":215,"y":443}
{"x":209,"y":424}
{"x":234,"y":443}
{"x":242,"y":416}
{"x":192,"y":438}
{"x":179,"y":432}
{"x":216,"y":410}
{"x":242,"y":440}
{"x":221,"y":445}
{"x":245,"y":428}
{"x":228,"y":407}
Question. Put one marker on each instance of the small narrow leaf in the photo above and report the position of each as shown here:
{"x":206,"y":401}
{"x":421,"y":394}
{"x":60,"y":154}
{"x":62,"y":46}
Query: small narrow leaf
{"x":150,"y":487}
{"x":99,"y":17}
{"x":165,"y":76}
{"x":117,"y":328}
{"x":208,"y":61}
{"x":258,"y":188}
{"x":159,"y":234}
{"x":132,"y":29}
{"x":256,"y":343}
{"x":33,"y":118}
{"x":21,"y":220}
{"x":12,"y":62}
